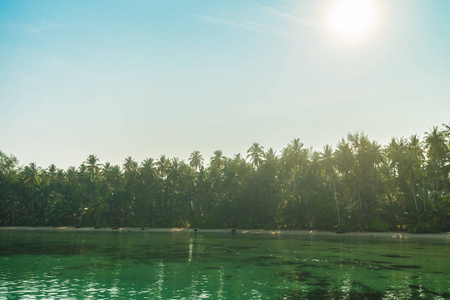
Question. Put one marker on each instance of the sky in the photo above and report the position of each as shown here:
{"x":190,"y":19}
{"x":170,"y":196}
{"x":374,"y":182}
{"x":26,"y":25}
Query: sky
{"x":151,"y":78}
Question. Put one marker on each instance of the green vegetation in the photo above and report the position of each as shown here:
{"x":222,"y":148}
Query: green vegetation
{"x":358,"y":186}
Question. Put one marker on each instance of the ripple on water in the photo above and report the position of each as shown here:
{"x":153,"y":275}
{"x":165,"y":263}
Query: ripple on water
{"x":296,"y":276}
{"x":218,"y":269}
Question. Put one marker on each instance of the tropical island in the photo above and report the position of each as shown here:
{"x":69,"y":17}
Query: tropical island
{"x":330,"y":183}
{"x":357,"y":186}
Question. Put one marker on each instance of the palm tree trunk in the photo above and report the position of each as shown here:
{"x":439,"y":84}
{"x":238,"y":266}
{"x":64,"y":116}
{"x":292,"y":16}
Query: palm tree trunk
{"x":12,"y":211}
{"x":271,"y":203}
{"x":98,"y":220}
{"x":436,"y":185}
{"x":337,"y":205}
{"x":376,"y":183}
{"x":360,"y":203}
{"x":423,"y":194}
{"x":81,"y":212}
{"x":32,"y":207}
{"x":415,"y":200}
{"x":162,"y":203}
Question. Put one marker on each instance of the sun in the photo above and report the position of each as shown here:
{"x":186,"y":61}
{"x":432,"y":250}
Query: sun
{"x":351,"y":19}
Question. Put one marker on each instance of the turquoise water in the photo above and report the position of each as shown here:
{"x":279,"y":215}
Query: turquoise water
{"x":187,"y":265}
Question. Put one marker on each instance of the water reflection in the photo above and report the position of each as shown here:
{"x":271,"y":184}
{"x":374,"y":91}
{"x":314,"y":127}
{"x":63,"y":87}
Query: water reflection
{"x":176,"y":266}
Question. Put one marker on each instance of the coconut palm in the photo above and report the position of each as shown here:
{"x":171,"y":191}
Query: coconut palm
{"x":217,"y":161}
{"x":51,"y":170}
{"x":294,"y":155}
{"x":130,"y":165}
{"x":32,"y":175}
{"x":438,"y":152}
{"x":92,"y":165}
{"x":270,"y":156}
{"x":106,"y":167}
{"x":344,"y":157}
{"x":328,"y":164}
{"x":148,"y":167}
{"x":256,"y":154}
{"x":196,"y":160}
{"x":32,"y":178}
{"x":9,"y":177}
{"x":162,"y":164}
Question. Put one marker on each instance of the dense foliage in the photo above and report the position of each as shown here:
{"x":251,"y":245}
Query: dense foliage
{"x":357,"y":186}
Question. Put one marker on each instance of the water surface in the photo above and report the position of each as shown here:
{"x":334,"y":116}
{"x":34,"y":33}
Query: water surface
{"x":187,"y":265}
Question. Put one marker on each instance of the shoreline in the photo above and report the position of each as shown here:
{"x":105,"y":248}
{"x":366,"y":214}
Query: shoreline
{"x":394,"y":235}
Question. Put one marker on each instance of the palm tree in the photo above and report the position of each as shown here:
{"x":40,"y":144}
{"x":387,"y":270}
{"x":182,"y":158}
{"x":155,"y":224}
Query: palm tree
{"x":32,"y":178}
{"x":163,"y":165}
{"x":106,"y":167}
{"x":446,"y":128}
{"x":145,"y":193}
{"x":217,"y":161}
{"x":437,"y":151}
{"x":294,"y":155}
{"x":92,"y":168}
{"x":344,"y":157}
{"x":408,"y":167}
{"x":377,"y":159}
{"x":368,"y":158}
{"x":92,"y":165}
{"x":256,"y":154}
{"x":148,"y":167}
{"x":8,"y":182}
{"x":416,"y":150}
{"x":269,"y":169}
{"x":271,"y":156}
{"x":196,"y":160}
{"x":51,"y":170}
{"x":328,"y":163}
{"x":32,"y":175}
{"x":130,"y":165}
{"x":113,"y":190}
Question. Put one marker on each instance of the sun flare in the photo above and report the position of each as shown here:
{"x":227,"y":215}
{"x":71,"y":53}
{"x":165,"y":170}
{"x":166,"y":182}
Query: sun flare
{"x":351,"y":18}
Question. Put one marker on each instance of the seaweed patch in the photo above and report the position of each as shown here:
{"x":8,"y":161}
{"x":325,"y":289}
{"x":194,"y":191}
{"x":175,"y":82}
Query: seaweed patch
{"x":395,"y":256}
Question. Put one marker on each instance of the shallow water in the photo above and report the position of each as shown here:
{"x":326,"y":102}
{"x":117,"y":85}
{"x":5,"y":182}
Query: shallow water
{"x":186,"y":265}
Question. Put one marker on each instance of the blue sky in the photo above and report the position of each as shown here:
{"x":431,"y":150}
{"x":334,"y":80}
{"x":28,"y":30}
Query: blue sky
{"x":146,"y":78}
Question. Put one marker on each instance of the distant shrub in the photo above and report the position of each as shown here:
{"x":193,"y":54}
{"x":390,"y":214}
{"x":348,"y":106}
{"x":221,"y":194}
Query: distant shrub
{"x":378,"y":224}
{"x":425,"y":227}
{"x":269,"y":226}
{"x":245,"y":223}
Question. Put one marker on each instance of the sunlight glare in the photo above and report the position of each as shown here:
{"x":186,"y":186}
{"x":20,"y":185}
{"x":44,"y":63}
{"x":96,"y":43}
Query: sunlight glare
{"x":351,"y":18}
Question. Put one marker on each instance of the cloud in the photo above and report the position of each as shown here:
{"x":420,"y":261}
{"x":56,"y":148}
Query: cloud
{"x":292,"y":18}
{"x":246,"y":24}
{"x":269,"y":20}
{"x":41,"y":26}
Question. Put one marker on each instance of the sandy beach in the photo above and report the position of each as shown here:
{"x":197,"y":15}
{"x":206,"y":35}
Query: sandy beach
{"x":393,"y":235}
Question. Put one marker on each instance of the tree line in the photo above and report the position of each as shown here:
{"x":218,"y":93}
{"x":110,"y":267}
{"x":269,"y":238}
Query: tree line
{"x":358,"y":185}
